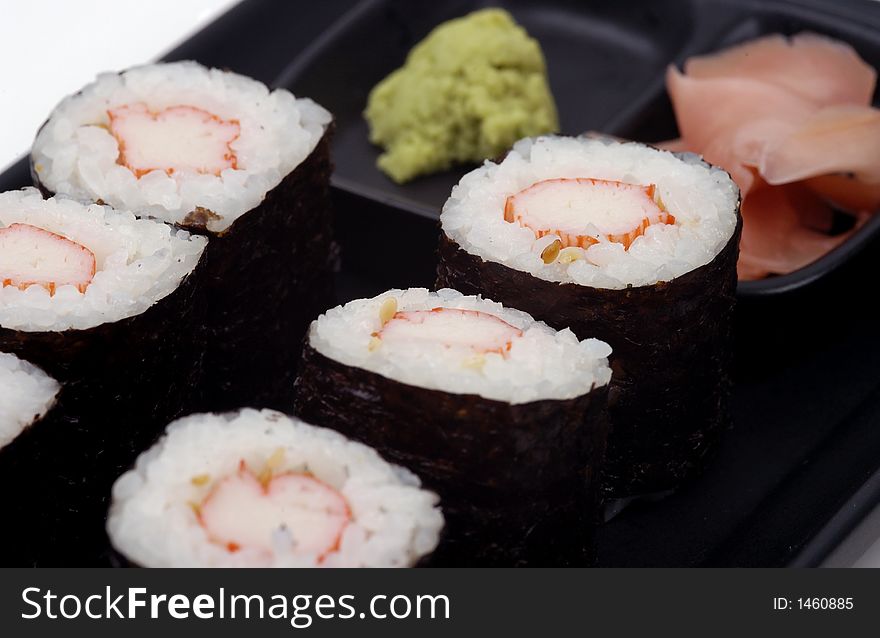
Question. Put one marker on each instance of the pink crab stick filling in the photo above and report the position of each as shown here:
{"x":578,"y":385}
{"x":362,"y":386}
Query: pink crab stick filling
{"x":291,"y":508}
{"x":32,"y":256}
{"x":452,"y":327}
{"x":173,"y":139}
{"x":581,"y":210}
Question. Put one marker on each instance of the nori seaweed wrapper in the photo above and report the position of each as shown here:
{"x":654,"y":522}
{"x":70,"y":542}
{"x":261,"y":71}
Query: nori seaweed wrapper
{"x":516,"y":482}
{"x":266,"y":277}
{"x":671,"y":356}
{"x":30,"y":516}
{"x":121,"y":384}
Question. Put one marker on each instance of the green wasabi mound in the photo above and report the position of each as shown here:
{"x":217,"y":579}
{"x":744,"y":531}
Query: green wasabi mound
{"x":467,"y":92}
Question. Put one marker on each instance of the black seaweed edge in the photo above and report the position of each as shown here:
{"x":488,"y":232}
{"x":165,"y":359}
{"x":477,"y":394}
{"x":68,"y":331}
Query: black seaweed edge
{"x":258,"y":312}
{"x":267,"y":276}
{"x":517,"y":482}
{"x":121,"y":382}
{"x":678,"y":331}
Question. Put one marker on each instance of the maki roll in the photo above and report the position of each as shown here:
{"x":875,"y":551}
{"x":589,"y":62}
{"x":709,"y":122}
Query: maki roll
{"x":27,"y":399}
{"x":220,"y":155}
{"x":501,"y":415}
{"x":259,"y":489}
{"x":627,"y":243}
{"x":107,"y":305}
{"x":26,"y":396}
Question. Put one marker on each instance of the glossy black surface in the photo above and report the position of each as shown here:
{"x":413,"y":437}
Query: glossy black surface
{"x":605,"y":61}
{"x":806,"y":432}
{"x":807,"y":393}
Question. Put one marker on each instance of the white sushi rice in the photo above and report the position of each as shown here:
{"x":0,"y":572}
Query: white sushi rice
{"x":26,"y":395}
{"x":702,"y":198}
{"x":152,"y":521}
{"x":139,"y":262}
{"x":75,"y":154}
{"x":541,"y":364}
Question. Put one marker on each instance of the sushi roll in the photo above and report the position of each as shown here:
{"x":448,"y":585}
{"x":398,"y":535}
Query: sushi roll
{"x":220,"y":155}
{"x":499,"y":414}
{"x":27,"y":400}
{"x":26,"y":396}
{"x":626,"y":243}
{"x":107,"y":305}
{"x":259,"y":489}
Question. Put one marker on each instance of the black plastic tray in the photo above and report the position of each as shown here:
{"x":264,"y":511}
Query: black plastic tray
{"x":606,"y":62}
{"x":806,"y":434}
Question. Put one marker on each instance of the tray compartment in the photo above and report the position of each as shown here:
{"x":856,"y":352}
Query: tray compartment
{"x":652,"y":118}
{"x":599,"y":57}
{"x":655,"y":121}
{"x":806,"y":399}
